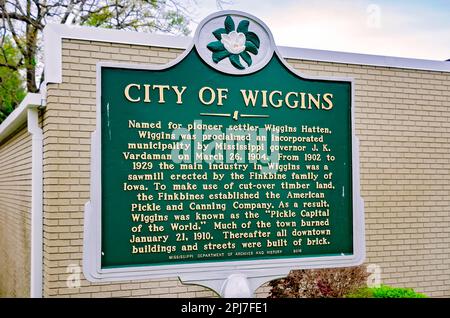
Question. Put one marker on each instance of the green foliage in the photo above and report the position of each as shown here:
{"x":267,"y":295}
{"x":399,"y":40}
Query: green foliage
{"x":385,"y":292}
{"x":140,"y":15}
{"x":11,"y":83}
{"x":24,"y":21}
{"x":364,"y":292}
{"x":99,"y":18}
{"x":176,"y":21}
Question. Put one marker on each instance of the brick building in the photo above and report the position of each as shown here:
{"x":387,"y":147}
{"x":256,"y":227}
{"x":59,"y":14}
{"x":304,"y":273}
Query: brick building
{"x":402,"y":122}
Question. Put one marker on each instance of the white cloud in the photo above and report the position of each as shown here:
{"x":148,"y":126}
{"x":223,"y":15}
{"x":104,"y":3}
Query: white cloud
{"x":349,"y":26}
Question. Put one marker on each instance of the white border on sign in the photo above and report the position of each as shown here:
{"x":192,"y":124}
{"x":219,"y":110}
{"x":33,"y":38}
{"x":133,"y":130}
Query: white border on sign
{"x":211,"y":274}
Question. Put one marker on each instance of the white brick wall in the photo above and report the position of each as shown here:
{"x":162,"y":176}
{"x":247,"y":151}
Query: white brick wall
{"x":15,"y":214}
{"x":402,"y":120}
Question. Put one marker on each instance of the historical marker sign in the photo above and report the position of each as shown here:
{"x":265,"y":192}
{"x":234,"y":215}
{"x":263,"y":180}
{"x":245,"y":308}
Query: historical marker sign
{"x":224,"y":161}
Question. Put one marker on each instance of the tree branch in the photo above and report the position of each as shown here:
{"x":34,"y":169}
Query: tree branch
{"x":15,"y":16}
{"x":12,"y":30}
{"x":19,"y":15}
{"x":69,"y":8}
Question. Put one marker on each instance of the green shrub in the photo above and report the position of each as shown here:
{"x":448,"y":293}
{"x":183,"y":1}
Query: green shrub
{"x":361,"y":293}
{"x":385,"y":292}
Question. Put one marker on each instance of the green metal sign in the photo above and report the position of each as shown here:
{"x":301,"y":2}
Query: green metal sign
{"x":226,"y":159}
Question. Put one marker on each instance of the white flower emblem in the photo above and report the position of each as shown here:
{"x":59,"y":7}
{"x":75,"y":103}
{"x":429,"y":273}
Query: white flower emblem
{"x":234,"y":42}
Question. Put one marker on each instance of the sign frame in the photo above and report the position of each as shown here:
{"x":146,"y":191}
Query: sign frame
{"x":211,"y":274}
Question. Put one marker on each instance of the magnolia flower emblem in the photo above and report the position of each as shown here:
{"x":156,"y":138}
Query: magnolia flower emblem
{"x":235,"y":44}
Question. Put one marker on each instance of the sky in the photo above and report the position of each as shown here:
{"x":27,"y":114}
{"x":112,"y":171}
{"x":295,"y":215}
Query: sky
{"x":404,"y":28}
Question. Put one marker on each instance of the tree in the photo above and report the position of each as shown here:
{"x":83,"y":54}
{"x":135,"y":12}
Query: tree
{"x":24,"y":21}
{"x":11,"y":88}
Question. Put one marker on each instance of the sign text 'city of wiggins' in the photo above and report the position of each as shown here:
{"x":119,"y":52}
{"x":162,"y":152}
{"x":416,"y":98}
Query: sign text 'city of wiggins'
{"x":148,"y":93}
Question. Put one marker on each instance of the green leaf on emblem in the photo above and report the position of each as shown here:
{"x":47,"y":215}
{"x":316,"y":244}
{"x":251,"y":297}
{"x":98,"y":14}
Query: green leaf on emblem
{"x":243,"y":26}
{"x":246,"y":57}
{"x":216,"y":46}
{"x":250,"y":47}
{"x":219,"y":56}
{"x":218,"y":33}
{"x":229,"y":24}
{"x":252,"y":37}
{"x":234,"y":59}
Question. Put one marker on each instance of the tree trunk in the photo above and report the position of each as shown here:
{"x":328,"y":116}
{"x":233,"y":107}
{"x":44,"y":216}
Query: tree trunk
{"x":30,"y":62}
{"x":31,"y":35}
